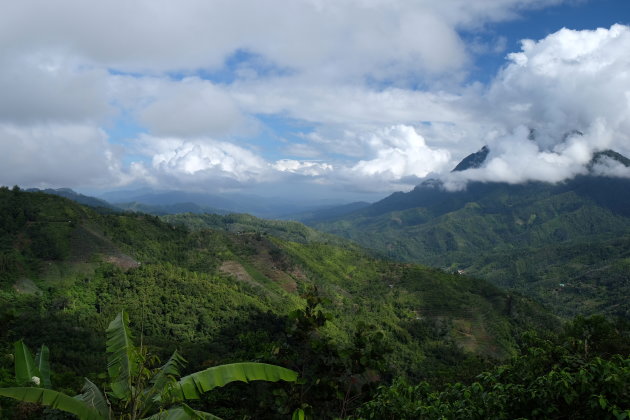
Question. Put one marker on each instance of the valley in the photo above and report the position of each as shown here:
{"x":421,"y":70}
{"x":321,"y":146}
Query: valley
{"x":221,"y":289}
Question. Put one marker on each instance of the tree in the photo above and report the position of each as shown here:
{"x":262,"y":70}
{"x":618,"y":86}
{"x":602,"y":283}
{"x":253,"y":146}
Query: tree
{"x":136,"y":391}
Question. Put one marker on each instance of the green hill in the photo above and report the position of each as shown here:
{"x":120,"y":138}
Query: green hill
{"x":237,"y":292}
{"x":565,"y":244}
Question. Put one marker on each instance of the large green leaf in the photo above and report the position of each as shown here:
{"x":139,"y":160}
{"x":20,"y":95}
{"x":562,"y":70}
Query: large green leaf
{"x":93,"y":397}
{"x":192,"y":386}
{"x":122,"y":356}
{"x":53,"y":399}
{"x":43,"y":365}
{"x":25,"y":367}
{"x":182,"y":413}
{"x":298,"y":414}
{"x":165,"y":377}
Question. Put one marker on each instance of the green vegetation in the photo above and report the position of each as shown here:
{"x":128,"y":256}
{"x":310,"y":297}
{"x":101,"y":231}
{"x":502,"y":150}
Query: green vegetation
{"x":556,"y":378}
{"x":566,"y":245}
{"x":135,"y":389}
{"x":217,"y":290}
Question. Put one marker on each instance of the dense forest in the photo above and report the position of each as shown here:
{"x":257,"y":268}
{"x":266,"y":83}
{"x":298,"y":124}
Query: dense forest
{"x":368,"y":337}
{"x":567,"y":245}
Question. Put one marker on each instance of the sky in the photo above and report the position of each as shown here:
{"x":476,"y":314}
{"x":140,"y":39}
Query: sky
{"x":309,"y":99}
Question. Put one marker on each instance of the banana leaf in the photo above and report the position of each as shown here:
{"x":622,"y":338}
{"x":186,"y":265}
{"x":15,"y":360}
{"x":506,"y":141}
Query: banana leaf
{"x":93,"y":397}
{"x":182,"y":413}
{"x":192,"y":386}
{"x":43,"y":365}
{"x":53,"y":399}
{"x":165,"y":377}
{"x":25,"y":367}
{"x":122,"y":356}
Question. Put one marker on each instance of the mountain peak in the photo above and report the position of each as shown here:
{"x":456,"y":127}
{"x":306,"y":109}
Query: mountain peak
{"x":599,"y":157}
{"x":474,"y":160}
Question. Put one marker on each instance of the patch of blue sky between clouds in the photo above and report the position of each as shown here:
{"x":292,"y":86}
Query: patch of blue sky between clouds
{"x":242,"y":64}
{"x":278,"y":132}
{"x":122,"y":132}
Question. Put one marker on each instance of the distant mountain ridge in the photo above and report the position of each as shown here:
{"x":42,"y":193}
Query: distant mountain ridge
{"x":163,"y":202}
{"x":176,"y":208}
{"x":77,"y":197}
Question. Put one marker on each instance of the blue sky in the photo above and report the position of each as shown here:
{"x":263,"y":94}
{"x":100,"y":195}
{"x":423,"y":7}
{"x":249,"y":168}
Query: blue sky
{"x":340,"y":100}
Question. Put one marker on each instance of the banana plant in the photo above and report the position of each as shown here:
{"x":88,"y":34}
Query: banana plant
{"x":136,"y":390}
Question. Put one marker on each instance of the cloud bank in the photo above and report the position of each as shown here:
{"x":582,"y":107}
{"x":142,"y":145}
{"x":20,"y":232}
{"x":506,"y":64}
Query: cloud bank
{"x":367,"y":96}
{"x":558,"y":101}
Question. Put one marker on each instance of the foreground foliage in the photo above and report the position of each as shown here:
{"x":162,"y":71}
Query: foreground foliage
{"x":135,"y":389}
{"x":549,"y":380}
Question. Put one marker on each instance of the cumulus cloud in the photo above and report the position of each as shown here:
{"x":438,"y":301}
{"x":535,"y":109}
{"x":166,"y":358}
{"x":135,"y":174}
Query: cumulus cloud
{"x":373,"y":87}
{"x":309,"y":168}
{"x":201,"y":161}
{"x":396,"y":153}
{"x":46,"y":155}
{"x":400,"y":152}
{"x":566,"y":82}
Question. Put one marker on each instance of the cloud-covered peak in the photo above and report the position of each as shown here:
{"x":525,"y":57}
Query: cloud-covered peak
{"x":556,"y":103}
{"x":567,"y":81}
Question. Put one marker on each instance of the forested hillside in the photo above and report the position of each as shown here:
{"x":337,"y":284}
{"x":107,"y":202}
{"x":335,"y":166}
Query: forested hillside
{"x":345,"y":320}
{"x":567,"y":245}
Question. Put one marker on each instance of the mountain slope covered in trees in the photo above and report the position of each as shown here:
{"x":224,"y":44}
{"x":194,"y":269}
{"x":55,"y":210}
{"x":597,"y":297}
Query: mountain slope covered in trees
{"x":344,"y":319}
{"x":566,"y":244}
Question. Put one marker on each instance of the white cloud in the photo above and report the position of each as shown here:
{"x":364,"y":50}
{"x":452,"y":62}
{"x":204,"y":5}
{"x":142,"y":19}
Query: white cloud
{"x":571,"y":80}
{"x":566,"y":82}
{"x":192,"y":108}
{"x":47,"y":155}
{"x":346,"y":38}
{"x":400,"y":152}
{"x":308,"y":168}
{"x":347,"y":104}
{"x":48,"y":86}
{"x":201,"y":161}
{"x":341,"y":71}
{"x":609,"y":167}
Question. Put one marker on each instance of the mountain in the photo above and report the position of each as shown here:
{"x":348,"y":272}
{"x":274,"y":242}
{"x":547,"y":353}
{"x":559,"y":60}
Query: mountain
{"x":178,"y":208}
{"x":173,"y":201}
{"x":565,"y":244}
{"x":65,"y":270}
{"x":474,"y":160}
{"x":328,"y":212}
{"x":359,"y":330}
{"x":77,"y":197}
